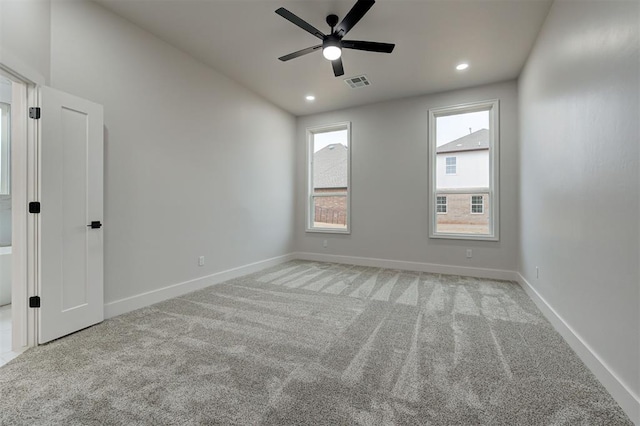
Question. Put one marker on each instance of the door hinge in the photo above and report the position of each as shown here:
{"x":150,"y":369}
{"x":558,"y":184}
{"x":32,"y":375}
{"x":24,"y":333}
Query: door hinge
{"x":34,"y":302}
{"x":34,"y":112}
{"x":34,"y":207}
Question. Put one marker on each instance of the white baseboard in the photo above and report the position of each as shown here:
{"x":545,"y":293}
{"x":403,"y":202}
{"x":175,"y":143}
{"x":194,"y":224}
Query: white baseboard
{"x":138,"y":301}
{"x":629,"y":402}
{"x":495,"y":274}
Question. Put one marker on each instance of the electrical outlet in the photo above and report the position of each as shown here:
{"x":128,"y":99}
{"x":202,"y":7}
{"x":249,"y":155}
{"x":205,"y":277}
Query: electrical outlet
{"x":469,"y":253}
{"x":324,"y":244}
{"x":201,"y":261}
{"x":537,"y":272}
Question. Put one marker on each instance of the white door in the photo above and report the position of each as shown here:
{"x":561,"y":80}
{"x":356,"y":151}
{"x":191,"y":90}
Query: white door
{"x":71,"y":180}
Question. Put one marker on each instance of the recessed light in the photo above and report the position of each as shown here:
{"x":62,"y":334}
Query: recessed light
{"x":310,"y":98}
{"x":462,"y":66}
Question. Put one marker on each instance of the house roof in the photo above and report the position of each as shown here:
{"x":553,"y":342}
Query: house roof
{"x":330,"y":167}
{"x":475,"y":141}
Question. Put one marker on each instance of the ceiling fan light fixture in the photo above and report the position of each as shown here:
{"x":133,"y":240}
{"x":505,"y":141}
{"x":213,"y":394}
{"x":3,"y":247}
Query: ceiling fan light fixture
{"x":331,"y":52}
{"x":331,"y":48}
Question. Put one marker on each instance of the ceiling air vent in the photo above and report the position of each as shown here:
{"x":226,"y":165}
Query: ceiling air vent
{"x":358,"y":81}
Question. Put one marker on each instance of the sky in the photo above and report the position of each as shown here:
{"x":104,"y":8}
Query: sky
{"x":320,"y":140}
{"x":452,"y":127}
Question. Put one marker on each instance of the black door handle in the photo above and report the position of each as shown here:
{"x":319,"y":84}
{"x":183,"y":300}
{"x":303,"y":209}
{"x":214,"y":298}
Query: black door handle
{"x":95,"y":225}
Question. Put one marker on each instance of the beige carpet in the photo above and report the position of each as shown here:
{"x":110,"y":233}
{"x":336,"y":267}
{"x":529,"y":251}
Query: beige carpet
{"x":309,"y":343}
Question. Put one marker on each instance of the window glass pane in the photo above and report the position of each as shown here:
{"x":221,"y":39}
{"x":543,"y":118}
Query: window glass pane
{"x":463,"y":173}
{"x":477,"y":204}
{"x":329,"y":175}
{"x":451,"y":165}
{"x":460,"y":217}
{"x":330,"y":212}
{"x":330,"y":156}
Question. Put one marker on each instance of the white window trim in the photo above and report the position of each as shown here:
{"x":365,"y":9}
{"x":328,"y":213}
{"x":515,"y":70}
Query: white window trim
{"x":494,"y":161}
{"x":471,"y":205}
{"x":309,"y":210}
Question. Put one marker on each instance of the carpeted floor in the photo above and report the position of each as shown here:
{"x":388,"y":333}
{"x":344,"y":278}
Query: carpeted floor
{"x":309,"y":343}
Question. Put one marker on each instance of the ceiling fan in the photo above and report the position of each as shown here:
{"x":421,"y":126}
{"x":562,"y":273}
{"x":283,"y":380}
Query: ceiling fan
{"x":332,"y":43}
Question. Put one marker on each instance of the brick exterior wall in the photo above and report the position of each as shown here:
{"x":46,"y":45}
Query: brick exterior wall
{"x":334,"y":209}
{"x":459,"y":210}
{"x":331,"y":209}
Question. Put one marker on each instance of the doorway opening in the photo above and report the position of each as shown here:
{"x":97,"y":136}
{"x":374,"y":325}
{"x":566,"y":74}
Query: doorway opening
{"x":5,"y":220}
{"x":17,"y":324}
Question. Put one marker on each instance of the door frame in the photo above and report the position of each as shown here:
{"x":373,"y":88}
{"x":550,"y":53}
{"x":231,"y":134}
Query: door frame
{"x":25,"y":257}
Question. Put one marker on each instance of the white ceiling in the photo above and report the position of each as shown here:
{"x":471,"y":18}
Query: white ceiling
{"x":243,"y":39}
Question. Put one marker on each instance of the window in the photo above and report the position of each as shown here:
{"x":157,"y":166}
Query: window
{"x":463,"y":154}
{"x":5,"y":149}
{"x":451,"y":165}
{"x":477,"y":204}
{"x":329,"y":158}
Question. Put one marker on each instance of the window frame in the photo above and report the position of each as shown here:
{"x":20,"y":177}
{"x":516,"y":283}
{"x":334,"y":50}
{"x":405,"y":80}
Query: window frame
{"x":310,"y":132}
{"x":493,"y":191}
{"x":455,"y":166}
{"x":476,"y":204}
{"x":446,"y":204}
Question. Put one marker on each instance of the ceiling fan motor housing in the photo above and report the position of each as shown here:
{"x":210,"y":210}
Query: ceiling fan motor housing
{"x":331,"y":40}
{"x":332,"y":20}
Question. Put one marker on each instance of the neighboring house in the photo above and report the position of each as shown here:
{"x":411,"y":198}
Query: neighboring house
{"x":463,"y":164}
{"x":330,"y":168}
{"x":330,"y":176}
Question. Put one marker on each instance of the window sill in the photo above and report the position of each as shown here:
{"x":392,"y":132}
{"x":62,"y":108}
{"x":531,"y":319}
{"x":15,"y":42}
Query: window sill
{"x":328,"y":231}
{"x":471,"y":237}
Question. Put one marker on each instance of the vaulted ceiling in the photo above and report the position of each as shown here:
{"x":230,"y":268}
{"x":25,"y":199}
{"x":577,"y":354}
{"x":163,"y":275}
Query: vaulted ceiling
{"x":244,"y":38}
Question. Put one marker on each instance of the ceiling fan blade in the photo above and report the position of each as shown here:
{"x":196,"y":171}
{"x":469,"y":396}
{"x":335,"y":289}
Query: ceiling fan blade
{"x":300,"y":53}
{"x":355,"y":14}
{"x":300,"y":22}
{"x":338,"y":69}
{"x":369,"y":46}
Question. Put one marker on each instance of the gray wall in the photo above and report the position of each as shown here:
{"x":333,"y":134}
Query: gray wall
{"x":389,"y":172}
{"x":25,"y":36}
{"x":194,"y":163}
{"x":579,"y":176}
